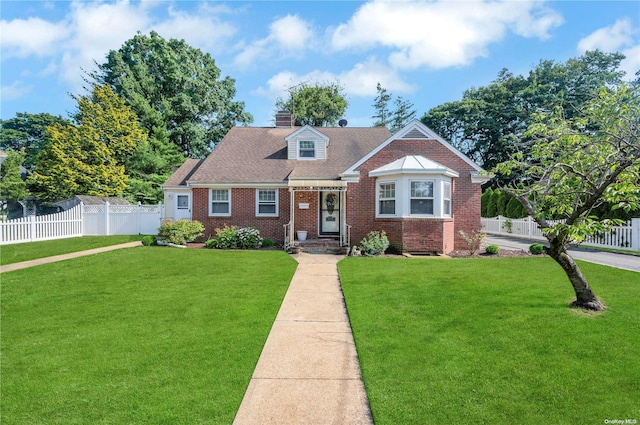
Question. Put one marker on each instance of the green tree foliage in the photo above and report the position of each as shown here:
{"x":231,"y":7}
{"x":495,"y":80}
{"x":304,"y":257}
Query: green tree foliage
{"x":381,"y":105}
{"x":176,"y":90}
{"x":403,"y":113}
{"x":12,"y":186}
{"x":489,"y":123}
{"x":318,"y":105}
{"x":89,"y":158}
{"x":394,"y":119}
{"x":26,"y":132}
{"x":577,"y":165}
{"x":492,"y":205}
{"x":484,"y":202}
{"x":514,"y":209}
{"x":501,"y":205}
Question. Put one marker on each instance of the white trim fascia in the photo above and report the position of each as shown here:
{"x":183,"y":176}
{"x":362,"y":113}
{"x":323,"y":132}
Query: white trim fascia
{"x":481,"y":178}
{"x":223,"y":185}
{"x":402,"y":132}
{"x":305,"y":128}
{"x":181,"y":187}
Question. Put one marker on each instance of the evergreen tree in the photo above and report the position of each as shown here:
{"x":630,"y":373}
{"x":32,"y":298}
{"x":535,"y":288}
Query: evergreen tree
{"x":381,"y":106}
{"x":12,"y":186}
{"x":403,"y":113}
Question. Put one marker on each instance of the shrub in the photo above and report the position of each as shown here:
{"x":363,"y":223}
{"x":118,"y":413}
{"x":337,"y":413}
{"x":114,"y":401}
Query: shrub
{"x":267,"y":243}
{"x":227,"y":237}
{"x":211,"y":243}
{"x":537,"y":249}
{"x":249,"y":238}
{"x":474,"y":241}
{"x":180,"y":232}
{"x":374,"y":243}
{"x":149,"y":240}
{"x":492,"y":249}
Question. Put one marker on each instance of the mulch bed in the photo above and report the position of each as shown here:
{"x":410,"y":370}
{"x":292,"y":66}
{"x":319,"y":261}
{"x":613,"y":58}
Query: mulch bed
{"x":504,"y":253}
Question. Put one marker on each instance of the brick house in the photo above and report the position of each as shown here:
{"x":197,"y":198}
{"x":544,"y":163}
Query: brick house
{"x":333,"y":184}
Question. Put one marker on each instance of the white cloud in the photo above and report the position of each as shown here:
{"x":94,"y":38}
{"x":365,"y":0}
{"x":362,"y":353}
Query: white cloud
{"x":287,"y":36}
{"x":361,"y":80}
{"x":609,"y":39}
{"x":15,"y":90}
{"x":32,"y":36}
{"x":440,"y":34}
{"x":203,"y":30}
{"x":620,"y":37}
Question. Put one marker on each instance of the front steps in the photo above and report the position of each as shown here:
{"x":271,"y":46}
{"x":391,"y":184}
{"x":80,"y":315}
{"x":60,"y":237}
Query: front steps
{"x":320,"y":246}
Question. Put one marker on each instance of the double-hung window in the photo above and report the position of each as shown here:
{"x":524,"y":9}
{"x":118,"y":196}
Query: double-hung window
{"x":267,"y":202}
{"x":421,"y":197}
{"x":387,"y":198}
{"x":220,"y":202}
{"x":446,"y":198}
{"x":306,"y":149}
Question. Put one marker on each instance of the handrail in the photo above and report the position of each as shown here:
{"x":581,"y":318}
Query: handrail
{"x":287,"y":230}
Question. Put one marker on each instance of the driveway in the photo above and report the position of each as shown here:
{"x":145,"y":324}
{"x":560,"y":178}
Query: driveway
{"x":621,"y":261}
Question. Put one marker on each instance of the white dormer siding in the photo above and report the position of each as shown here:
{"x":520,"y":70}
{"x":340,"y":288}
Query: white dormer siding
{"x":312,"y":143}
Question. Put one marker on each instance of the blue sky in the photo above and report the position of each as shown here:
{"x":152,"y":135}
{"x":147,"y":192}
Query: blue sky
{"x":428,"y":52}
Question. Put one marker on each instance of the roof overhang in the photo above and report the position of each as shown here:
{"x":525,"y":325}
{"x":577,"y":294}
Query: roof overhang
{"x":481,"y":178}
{"x":328,"y":184}
{"x":413,"y":164}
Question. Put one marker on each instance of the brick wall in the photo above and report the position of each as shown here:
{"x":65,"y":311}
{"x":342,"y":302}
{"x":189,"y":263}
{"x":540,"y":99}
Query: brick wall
{"x":465,"y":202}
{"x":243,"y":213}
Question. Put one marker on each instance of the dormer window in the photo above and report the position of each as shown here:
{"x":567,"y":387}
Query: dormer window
{"x":306,"y":149}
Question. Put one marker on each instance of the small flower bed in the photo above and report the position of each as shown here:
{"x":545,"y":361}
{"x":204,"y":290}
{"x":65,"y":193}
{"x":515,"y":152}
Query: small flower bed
{"x":233,"y":237}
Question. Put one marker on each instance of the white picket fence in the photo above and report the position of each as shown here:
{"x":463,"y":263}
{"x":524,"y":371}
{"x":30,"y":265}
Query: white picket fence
{"x":84,"y":220}
{"x":625,"y":237}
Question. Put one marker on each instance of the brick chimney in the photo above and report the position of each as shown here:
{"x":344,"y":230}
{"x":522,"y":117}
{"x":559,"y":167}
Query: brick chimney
{"x":284,"y":119}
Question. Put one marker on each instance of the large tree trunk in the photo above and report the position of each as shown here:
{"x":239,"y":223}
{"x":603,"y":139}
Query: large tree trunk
{"x":585,"y":298}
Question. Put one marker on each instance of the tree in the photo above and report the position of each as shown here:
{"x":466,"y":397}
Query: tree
{"x":489,"y":123}
{"x":88,"y":158}
{"x":318,"y":105}
{"x":402,"y":114}
{"x":575,"y":166}
{"x":396,"y":119}
{"x":381,"y":105}
{"x":176,"y":90}
{"x":26,"y":132}
{"x":12,"y":185}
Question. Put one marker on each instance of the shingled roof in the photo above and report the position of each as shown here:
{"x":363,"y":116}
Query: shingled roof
{"x":259,"y":155}
{"x":183,"y":173}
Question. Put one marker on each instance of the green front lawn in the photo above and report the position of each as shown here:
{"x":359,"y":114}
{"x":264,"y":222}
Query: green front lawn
{"x":144,"y":335}
{"x":492,"y":341}
{"x":15,"y":253}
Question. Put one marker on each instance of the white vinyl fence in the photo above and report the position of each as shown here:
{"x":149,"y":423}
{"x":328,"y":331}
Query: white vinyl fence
{"x":625,"y":237}
{"x":84,"y":220}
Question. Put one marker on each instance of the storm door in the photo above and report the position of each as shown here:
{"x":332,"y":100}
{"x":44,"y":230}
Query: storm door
{"x":329,"y":213}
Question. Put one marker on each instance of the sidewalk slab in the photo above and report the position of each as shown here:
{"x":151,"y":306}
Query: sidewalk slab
{"x":61,"y":257}
{"x":308,"y":371}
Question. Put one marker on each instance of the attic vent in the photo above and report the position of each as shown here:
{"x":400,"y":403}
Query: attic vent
{"x":415,"y":134}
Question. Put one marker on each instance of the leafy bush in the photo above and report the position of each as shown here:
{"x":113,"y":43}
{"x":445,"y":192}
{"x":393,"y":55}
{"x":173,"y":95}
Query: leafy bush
{"x":492,"y":249}
{"x":211,"y":243}
{"x":537,"y":249}
{"x":149,"y":240}
{"x":267,"y":243}
{"x":249,"y":238}
{"x":474,"y":241}
{"x":180,"y":232}
{"x":227,"y":237}
{"x":374,"y":243}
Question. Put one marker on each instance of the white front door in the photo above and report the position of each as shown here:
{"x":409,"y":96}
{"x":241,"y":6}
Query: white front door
{"x":183,"y":207}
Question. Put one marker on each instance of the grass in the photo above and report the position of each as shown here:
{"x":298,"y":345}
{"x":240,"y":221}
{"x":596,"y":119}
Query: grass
{"x":489,"y":341}
{"x":15,"y":253}
{"x":145,"y":335}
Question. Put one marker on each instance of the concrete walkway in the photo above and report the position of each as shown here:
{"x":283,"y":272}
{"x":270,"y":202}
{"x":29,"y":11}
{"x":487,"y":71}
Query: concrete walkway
{"x":25,"y":264}
{"x":611,"y":259}
{"x":308,"y":372}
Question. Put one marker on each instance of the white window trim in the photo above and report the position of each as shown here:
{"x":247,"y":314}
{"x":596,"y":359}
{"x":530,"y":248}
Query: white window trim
{"x":433,"y":198}
{"x":444,"y":182}
{"x":397,"y":204}
{"x":315,"y":149}
{"x":258,"y":214}
{"x":403,"y":196}
{"x":211,"y":214}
